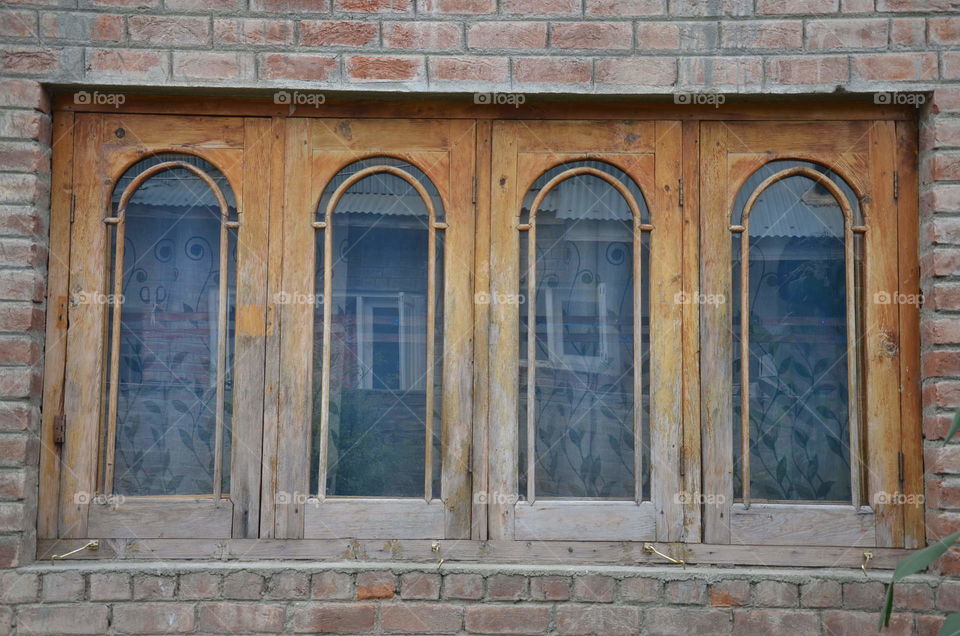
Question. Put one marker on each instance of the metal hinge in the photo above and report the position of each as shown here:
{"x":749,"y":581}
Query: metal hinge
{"x":680,"y":193}
{"x":896,"y":185}
{"x":59,"y":429}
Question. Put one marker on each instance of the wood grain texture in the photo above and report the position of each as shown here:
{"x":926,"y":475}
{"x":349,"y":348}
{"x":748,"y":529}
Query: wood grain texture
{"x":54,"y":359}
{"x":142,"y":517}
{"x":337,"y":518}
{"x":550,"y":520}
{"x":799,"y":524}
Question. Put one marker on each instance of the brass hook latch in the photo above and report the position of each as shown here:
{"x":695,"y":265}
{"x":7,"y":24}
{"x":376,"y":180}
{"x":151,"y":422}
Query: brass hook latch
{"x":435,"y":548}
{"x":866,"y":562}
{"x":650,"y":549}
{"x":89,"y":545}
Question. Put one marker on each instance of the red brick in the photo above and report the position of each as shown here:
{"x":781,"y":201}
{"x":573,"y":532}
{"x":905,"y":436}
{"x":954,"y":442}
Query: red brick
{"x":591,"y":35}
{"x":384,"y":68}
{"x":507,"y":35}
{"x":796,"y":7}
{"x":594,"y":588}
{"x":820,"y":594}
{"x":940,"y":262}
{"x":940,"y":363}
{"x":127,"y":4}
{"x":948,"y":596}
{"x":541,"y":7}
{"x":177,"y":31}
{"x":550,"y":588}
{"x":688,"y":592}
{"x":506,"y":587}
{"x":207,"y":65}
{"x":127,"y":63}
{"x":81,"y":27}
{"x":20,"y":383}
{"x":610,"y":620}
{"x":154,"y":618}
{"x":420,"y":586}
{"x":374,"y":585}
{"x":20,"y":220}
{"x":929,"y":625}
{"x":945,"y":297}
{"x":424,"y":36}
{"x":863,"y":595}
{"x":243,"y":586}
{"x":420,"y":618}
{"x":907,"y":32}
{"x":853,"y":33}
{"x":14,"y":485}
{"x":332,"y":585}
{"x":936,"y":426}
{"x":943,"y":493}
{"x":23,"y":93}
{"x":197,"y":6}
{"x":333,"y":618}
{"x":29,"y":59}
{"x":288,"y":585}
{"x":699,"y":37}
{"x":781,"y":34}
{"x":683,"y":621}
{"x":775,"y":621}
{"x":24,"y":157}
{"x":19,"y":349}
{"x":951,"y":66}
{"x":942,"y":393}
{"x":721,"y":71}
{"x":290,"y":6}
{"x":507,"y":619}
{"x":148,"y":587}
{"x":110,"y":586}
{"x":896,"y":66}
{"x":252,"y":31}
{"x":625,"y":8}
{"x":242,"y":617}
{"x":463,"y":586}
{"x":944,"y":30}
{"x":298,"y":66}
{"x":199,"y":585}
{"x":18,"y":587}
{"x":373,"y":6}
{"x":61,"y":586}
{"x":63,"y":619}
{"x":17,"y":23}
{"x":945,"y":166}
{"x":22,"y":188}
{"x":943,"y":133}
{"x":640,"y":590}
{"x":912,"y":596}
{"x":17,"y":317}
{"x":733,"y":593}
{"x":338,"y":33}
{"x":456,"y":7}
{"x":820,"y":69}
{"x":942,"y":459}
{"x":548,"y":70}
{"x":916,"y":6}
{"x":469,"y":69}
{"x":843,"y":623}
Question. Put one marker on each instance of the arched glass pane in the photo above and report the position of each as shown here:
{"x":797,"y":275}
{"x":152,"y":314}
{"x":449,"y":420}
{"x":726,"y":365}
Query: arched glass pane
{"x":379,"y":356}
{"x":798,"y":342}
{"x":169,"y":331}
{"x":584,"y":329}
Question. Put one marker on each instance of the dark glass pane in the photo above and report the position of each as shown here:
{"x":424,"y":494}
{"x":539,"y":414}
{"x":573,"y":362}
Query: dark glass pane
{"x":167,"y":377}
{"x":799,"y":419}
{"x":584,"y":339}
{"x":378,"y":368}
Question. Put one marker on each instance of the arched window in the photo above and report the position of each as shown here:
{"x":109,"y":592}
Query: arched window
{"x":583,"y":335}
{"x":797,"y":254}
{"x":170,"y":329}
{"x":379,"y":333}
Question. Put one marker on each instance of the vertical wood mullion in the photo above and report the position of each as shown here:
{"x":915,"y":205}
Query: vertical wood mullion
{"x":531,"y":357}
{"x":221,"y":357}
{"x":853,"y":361}
{"x":638,"y":422}
{"x":431,"y":340}
{"x":114,"y":369}
{"x":325,"y":356}
{"x":744,"y":301}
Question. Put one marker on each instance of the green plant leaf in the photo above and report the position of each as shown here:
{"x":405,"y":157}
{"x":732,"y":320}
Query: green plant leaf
{"x":916,"y":562}
{"x":953,"y":427}
{"x":951,"y":626}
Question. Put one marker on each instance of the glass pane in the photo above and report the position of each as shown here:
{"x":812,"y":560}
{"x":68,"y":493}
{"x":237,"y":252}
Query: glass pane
{"x":378,"y":364}
{"x":584,"y":376}
{"x":799,"y":419}
{"x":166,"y":415}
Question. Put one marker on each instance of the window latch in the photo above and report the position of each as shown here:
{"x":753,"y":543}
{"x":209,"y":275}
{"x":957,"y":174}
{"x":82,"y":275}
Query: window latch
{"x":89,"y":545}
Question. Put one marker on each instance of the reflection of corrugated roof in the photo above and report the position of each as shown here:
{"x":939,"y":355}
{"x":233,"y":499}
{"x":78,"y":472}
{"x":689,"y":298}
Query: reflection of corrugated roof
{"x":796,"y":207}
{"x":586,"y":197}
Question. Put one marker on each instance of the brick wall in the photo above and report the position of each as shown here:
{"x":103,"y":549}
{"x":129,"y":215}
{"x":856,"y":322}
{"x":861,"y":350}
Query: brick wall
{"x":765,"y":47}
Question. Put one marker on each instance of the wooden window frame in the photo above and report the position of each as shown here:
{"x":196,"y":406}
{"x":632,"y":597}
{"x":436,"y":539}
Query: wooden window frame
{"x":268,"y":128}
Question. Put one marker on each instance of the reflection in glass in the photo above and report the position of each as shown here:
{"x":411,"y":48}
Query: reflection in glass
{"x":379,"y":357}
{"x":584,"y":375}
{"x":167,"y":391}
{"x":798,"y":339}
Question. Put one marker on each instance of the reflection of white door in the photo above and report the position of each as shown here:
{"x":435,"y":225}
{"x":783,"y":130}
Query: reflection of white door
{"x":575,"y":318}
{"x":376,"y":325}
